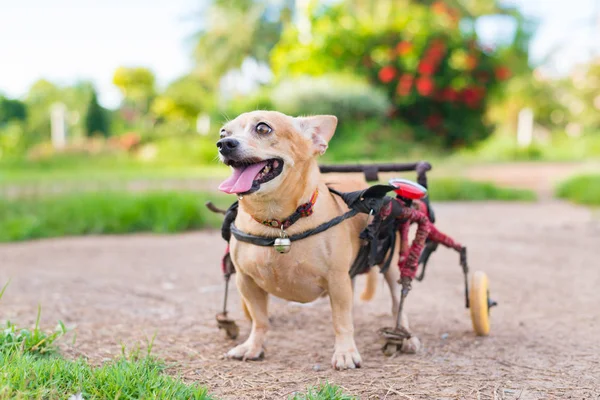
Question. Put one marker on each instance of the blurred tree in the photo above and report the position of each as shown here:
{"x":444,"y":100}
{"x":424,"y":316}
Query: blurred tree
{"x":39,"y":100}
{"x":96,"y":118}
{"x":11,"y":110}
{"x":184,"y":98}
{"x":137,"y":85}
{"x":233,"y":30}
{"x":581,"y":95}
{"x":13,"y":114}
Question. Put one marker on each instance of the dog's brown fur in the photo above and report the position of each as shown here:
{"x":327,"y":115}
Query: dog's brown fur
{"x":316,"y":265}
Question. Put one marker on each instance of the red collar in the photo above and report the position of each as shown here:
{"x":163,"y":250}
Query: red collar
{"x":304,"y":210}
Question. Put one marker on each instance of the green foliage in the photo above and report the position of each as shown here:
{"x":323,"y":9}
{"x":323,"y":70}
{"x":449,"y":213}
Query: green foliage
{"x":11,"y":110}
{"x":12,"y":141}
{"x":436,"y":75}
{"x":346,"y":97}
{"x":323,"y":392}
{"x":450,"y":189}
{"x":96,"y":119}
{"x":582,"y":189}
{"x":103,"y":213}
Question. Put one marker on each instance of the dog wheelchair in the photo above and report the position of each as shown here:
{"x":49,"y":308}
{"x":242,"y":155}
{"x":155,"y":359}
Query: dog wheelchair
{"x":390,"y":215}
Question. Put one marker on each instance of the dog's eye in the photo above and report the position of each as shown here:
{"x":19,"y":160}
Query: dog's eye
{"x":263,"y":129}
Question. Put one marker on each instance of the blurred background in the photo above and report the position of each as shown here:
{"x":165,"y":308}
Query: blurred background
{"x":128,"y":95}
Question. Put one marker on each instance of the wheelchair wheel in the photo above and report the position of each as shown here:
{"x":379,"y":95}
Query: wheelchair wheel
{"x":480,"y":303}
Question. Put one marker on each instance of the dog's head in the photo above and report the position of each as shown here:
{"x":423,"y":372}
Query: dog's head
{"x":264,"y":147}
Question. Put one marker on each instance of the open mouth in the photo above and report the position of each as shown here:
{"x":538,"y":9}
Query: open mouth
{"x":248,"y":175}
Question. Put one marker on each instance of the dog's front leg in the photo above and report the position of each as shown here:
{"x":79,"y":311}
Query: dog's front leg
{"x":256,"y":300}
{"x":340,"y":293}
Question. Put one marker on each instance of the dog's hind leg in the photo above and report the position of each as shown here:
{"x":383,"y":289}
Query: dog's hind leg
{"x":392,"y":275}
{"x":256,"y":301}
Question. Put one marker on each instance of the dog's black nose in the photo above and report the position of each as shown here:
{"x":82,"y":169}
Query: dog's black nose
{"x":227,"y":146}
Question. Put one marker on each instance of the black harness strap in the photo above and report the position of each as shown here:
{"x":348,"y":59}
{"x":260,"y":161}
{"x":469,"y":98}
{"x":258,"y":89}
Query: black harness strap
{"x":268,"y":241}
{"x":379,"y":236}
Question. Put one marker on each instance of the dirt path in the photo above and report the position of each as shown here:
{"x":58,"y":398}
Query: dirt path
{"x":542,"y":260}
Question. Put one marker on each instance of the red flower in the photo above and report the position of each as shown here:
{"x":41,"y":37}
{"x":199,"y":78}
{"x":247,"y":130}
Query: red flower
{"x":439,"y":95}
{"x":436,"y":51}
{"x":472,"y":96}
{"x":404,"y":85}
{"x":471,"y":62}
{"x":503,"y":73}
{"x":433,"y":121}
{"x":425,"y":86}
{"x":438,"y":7}
{"x":454,"y":15}
{"x":426,"y":68}
{"x":450,"y":95}
{"x":387,"y":74}
{"x":404,"y":47}
{"x":483,"y":76}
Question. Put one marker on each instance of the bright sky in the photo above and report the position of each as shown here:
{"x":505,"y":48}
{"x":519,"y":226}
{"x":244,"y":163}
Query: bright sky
{"x":66,"y":40}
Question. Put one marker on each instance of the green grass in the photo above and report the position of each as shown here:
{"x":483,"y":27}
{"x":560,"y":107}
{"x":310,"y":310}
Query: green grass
{"x":28,"y":341}
{"x":41,"y":173}
{"x":76,"y":214}
{"x":30,"y":376}
{"x":323,"y":392}
{"x":31,"y":368}
{"x":105,"y":213}
{"x":452,"y":189}
{"x":581,"y":189}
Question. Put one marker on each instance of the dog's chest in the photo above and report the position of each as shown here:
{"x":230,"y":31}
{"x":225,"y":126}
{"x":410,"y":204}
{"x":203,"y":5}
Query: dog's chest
{"x":296,"y":276}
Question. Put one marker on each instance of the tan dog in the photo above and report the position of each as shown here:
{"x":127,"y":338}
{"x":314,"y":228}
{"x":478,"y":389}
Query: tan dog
{"x":275,"y":170}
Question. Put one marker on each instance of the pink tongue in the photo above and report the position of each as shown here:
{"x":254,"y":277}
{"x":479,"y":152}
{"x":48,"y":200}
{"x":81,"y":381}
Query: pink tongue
{"x":241,"y":179}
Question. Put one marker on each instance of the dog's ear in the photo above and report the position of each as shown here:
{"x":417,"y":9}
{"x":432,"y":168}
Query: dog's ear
{"x":319,"y":129}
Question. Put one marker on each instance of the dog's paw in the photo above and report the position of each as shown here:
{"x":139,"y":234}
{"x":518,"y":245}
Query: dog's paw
{"x":246,"y":352}
{"x":346,"y":359}
{"x":410,"y":345}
